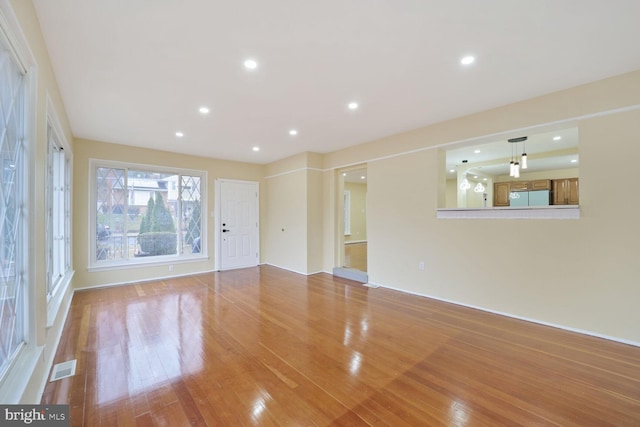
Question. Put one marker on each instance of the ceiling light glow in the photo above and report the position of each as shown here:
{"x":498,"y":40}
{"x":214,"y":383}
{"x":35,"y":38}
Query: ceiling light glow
{"x":557,"y":138}
{"x":467,"y":60}
{"x":574,"y":161}
{"x":256,"y":148}
{"x":179,"y":134}
{"x":353,"y":105}
{"x":293,"y":132}
{"x":250,"y":64}
{"x":204,"y":110}
{"x":476,"y":151}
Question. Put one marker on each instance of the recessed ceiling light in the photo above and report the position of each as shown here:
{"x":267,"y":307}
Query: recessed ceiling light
{"x":557,"y":138}
{"x":467,"y":60}
{"x":344,"y":174}
{"x":293,"y":132}
{"x":476,"y":151}
{"x":250,"y":64}
{"x":204,"y":110}
{"x":353,"y":106}
{"x":362,"y":177}
{"x":452,"y":170}
{"x":475,"y":176}
{"x":179,"y":134}
{"x":574,"y":161}
{"x":484,"y":179}
{"x":256,"y":148}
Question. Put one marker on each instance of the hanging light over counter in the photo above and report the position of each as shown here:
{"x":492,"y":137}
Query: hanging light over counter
{"x":514,"y":165}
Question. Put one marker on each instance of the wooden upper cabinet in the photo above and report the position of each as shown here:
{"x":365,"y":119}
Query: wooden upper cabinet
{"x":565,"y":191}
{"x":501,"y":192}
{"x":574,"y":198}
{"x":520,"y":186}
{"x":541,"y":184}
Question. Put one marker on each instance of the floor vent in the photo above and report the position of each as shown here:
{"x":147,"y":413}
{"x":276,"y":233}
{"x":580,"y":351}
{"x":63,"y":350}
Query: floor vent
{"x":63,"y":370}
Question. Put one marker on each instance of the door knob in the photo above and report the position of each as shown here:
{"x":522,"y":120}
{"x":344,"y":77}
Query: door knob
{"x":224,"y":230}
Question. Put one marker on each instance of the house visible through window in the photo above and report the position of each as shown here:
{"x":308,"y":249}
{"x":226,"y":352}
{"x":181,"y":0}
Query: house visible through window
{"x":142,"y":213}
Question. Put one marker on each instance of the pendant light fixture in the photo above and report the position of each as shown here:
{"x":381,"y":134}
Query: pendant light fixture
{"x":465,"y":185}
{"x":514,"y":166}
{"x":524,"y":154}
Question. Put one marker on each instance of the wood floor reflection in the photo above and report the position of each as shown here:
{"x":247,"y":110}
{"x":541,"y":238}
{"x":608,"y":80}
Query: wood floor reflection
{"x":267,"y":347}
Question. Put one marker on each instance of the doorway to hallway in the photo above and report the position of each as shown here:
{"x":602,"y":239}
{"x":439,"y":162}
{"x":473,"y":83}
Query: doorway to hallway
{"x":352,"y":240}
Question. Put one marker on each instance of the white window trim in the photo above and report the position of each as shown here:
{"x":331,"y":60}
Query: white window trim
{"x":94,"y":266}
{"x":16,"y":379}
{"x":54,"y":300}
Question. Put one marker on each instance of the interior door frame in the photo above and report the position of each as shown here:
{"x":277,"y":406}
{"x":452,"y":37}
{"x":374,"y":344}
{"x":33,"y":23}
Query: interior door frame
{"x":339,"y":240}
{"x":217,"y":235}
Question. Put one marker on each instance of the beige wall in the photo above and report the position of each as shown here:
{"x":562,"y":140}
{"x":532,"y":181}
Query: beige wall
{"x":216,"y":169}
{"x":358,"y":212}
{"x":286,"y":226}
{"x":315,"y":223}
{"x":474,"y":200}
{"x":577,"y":274}
{"x":295,"y":214}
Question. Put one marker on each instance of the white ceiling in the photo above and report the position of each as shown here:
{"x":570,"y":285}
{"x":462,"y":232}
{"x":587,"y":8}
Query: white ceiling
{"x":135,"y":72}
{"x":356,"y":176}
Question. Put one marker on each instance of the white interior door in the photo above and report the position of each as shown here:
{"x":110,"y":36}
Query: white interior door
{"x":238,"y":224}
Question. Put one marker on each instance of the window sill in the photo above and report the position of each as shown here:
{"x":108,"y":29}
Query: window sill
{"x":53,"y":305}
{"x":148,"y":262}
{"x":533,"y":212}
{"x":14,"y":384}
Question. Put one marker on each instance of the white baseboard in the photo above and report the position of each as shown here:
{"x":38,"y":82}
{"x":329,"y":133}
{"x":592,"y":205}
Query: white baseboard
{"x":291,"y":270}
{"x":513,"y":316}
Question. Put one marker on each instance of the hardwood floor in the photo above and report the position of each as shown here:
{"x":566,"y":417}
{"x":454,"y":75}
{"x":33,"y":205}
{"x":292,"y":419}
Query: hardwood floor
{"x":267,"y":347}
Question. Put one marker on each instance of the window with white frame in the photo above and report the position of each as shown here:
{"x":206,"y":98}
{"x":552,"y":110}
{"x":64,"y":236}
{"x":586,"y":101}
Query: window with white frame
{"x":14,"y":196}
{"x":145,"y":212}
{"x":58,"y":212}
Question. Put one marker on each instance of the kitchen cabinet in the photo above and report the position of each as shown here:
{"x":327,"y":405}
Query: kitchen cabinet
{"x":541,"y":184}
{"x":501,"y":192}
{"x":520,"y":186}
{"x":565,"y":191}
